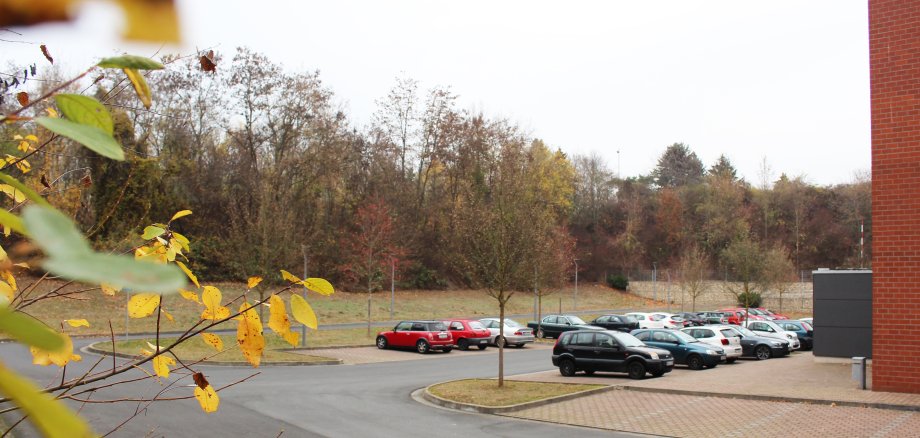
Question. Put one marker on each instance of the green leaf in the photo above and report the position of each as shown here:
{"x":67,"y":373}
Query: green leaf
{"x":54,"y":233}
{"x":52,"y":417}
{"x":86,"y":111}
{"x":12,"y":221}
{"x":130,"y":61}
{"x":92,"y":137}
{"x":118,"y":270}
{"x":29,"y":331}
{"x":150,"y":232}
{"x":31,"y":194}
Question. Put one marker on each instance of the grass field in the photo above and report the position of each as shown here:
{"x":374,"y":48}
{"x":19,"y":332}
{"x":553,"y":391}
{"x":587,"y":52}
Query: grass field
{"x":342,"y":307}
{"x":485,"y":392}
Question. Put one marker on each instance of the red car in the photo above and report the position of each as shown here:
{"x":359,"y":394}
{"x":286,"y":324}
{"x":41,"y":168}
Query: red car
{"x":735,"y":316}
{"x":467,"y":333}
{"x":775,"y":315}
{"x":423,"y":336}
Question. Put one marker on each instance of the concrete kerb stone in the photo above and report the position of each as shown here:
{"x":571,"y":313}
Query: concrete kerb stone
{"x":469,"y":407}
{"x":92,"y":349}
{"x":771,"y":398}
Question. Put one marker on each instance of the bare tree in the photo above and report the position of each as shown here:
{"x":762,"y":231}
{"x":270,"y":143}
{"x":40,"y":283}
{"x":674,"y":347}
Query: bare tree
{"x":692,"y":265}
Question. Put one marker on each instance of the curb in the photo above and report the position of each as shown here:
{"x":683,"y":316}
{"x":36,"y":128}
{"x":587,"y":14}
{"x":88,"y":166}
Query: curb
{"x":813,"y":401}
{"x":92,"y":349}
{"x":468,"y":407}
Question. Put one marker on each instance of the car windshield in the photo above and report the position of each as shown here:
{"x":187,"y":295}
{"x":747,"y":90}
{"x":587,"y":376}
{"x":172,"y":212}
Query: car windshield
{"x":756,"y":312}
{"x":628,"y":340}
{"x":437,"y":327}
{"x":576,"y":320}
{"x":685,"y":337}
{"x":476,"y":325}
{"x":656,"y":317}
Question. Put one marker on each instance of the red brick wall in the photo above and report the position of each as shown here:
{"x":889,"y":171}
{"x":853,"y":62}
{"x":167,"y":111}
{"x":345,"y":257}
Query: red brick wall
{"x":894,"y":56}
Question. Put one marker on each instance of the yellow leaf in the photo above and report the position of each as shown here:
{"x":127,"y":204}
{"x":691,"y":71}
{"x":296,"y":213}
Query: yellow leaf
{"x":152,"y":21}
{"x":211,"y":297}
{"x":108,"y":289}
{"x":77,"y":322}
{"x":51,"y":417}
{"x":161,"y":365}
{"x":140,"y":86}
{"x":289,"y":277}
{"x":249,"y":335}
{"x":292,"y":338}
{"x":32,"y":138}
{"x":181,"y":239}
{"x":220,"y":312}
{"x":143,"y":305}
{"x":60,"y":357}
{"x":253,"y":282}
{"x":168,"y":315}
{"x":7,"y":292}
{"x":22,"y":265}
{"x":12,"y":193}
{"x":8,"y":277}
{"x":189,"y":273}
{"x":52,"y":112}
{"x":189,"y":295}
{"x":3,"y":255}
{"x":302,"y":311}
{"x":319,"y":286}
{"x":207,"y":398}
{"x":179,"y":214}
{"x":278,"y":320}
{"x":154,"y":347}
{"x":214,"y":341}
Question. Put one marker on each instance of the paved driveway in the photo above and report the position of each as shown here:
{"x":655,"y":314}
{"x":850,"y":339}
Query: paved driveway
{"x":362,"y":355}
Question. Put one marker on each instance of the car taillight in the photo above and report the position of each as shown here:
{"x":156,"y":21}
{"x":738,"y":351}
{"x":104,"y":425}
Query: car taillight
{"x":724,"y":341}
{"x":518,"y":333}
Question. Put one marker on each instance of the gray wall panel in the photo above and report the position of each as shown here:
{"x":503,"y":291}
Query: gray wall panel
{"x":843,"y":313}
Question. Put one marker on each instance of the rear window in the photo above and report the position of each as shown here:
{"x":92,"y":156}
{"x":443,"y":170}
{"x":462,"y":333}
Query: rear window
{"x":437,"y":327}
{"x":476,"y":325}
{"x":729,"y":333}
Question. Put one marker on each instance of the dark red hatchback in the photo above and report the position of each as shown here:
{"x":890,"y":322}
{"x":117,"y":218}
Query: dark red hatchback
{"x":423,"y":336}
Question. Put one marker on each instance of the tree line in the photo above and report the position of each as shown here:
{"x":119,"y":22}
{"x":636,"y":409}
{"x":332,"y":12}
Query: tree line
{"x":279,"y":176}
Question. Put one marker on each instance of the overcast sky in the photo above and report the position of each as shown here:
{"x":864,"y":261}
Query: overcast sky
{"x":786,"y":80}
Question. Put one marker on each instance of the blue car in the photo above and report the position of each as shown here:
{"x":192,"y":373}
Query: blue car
{"x":802,"y":329}
{"x":685,"y":348}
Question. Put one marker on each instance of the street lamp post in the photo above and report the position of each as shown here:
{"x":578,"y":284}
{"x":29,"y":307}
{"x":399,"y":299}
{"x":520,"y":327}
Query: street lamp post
{"x":576,"y":284}
{"x":392,"y":285}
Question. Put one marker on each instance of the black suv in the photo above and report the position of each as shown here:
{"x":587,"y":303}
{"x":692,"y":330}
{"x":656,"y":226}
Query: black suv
{"x":607,"y":350}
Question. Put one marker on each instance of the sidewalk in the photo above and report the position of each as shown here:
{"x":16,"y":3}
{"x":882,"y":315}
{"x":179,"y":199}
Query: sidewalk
{"x":791,"y":396}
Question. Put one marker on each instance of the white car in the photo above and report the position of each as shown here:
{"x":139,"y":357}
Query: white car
{"x":670,"y":320}
{"x":720,"y":336}
{"x":516,"y":334}
{"x":646,"y":320}
{"x":769,"y":329}
{"x":809,"y":320}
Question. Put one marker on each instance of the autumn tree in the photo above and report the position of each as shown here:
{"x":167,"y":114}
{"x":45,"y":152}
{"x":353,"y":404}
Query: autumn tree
{"x":778,"y":272}
{"x":678,"y":166}
{"x":692,"y":266}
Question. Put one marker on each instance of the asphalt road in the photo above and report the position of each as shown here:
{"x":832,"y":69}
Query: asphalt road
{"x":369,"y":400}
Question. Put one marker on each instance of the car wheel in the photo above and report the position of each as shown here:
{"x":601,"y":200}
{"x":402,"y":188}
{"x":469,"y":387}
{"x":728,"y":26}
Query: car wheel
{"x":732,"y":360}
{"x":589,"y":372}
{"x":463,"y":344}
{"x":422,"y":346}
{"x":763,"y":352}
{"x":381,"y":342}
{"x":567,"y":367}
{"x":636,"y":370}
{"x":695,"y":362}
{"x":482,"y":346}
{"x":540,"y":333}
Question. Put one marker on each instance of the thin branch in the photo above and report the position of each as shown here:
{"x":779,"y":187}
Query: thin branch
{"x":50,"y":93}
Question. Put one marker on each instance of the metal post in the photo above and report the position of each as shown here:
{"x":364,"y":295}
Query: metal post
{"x":535,"y":292}
{"x":392,"y":285}
{"x":576,"y":285}
{"x":303,"y":328}
{"x":668,"y":274}
{"x":655,"y":280}
{"x":127,"y":316}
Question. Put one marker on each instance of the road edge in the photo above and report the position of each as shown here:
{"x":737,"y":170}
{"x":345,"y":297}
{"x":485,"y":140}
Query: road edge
{"x":469,"y":407}
{"x":92,"y":349}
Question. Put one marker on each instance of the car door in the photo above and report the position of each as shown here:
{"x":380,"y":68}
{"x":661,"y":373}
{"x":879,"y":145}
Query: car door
{"x":408,"y":337}
{"x":550,"y":326}
{"x":617,"y":323}
{"x":670,"y":342}
{"x":610,"y":354}
{"x":582,"y":347}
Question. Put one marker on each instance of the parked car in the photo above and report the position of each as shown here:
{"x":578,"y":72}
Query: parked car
{"x":669,"y":320}
{"x":515,"y":334}
{"x":809,"y":320}
{"x":551,"y":326}
{"x":468,"y":333}
{"x":608,"y":350}
{"x":775,"y":315}
{"x":720,"y":336}
{"x":692,"y":319}
{"x":685,"y":348}
{"x":759,"y":347}
{"x":646,"y":320}
{"x":737,"y":316}
{"x":769,"y":329}
{"x":621,"y":323}
{"x":714,"y":317}
{"x":424,"y":336}
{"x":802,"y":329}
{"x":763,"y":314}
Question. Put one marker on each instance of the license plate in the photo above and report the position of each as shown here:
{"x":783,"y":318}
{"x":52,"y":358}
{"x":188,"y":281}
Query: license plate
{"x":669,"y":362}
{"x":527,"y":332}
{"x":722,"y":357}
{"x":442,"y":335}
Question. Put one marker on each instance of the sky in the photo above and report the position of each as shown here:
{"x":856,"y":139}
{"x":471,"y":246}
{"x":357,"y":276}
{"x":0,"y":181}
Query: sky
{"x":782,"y":81}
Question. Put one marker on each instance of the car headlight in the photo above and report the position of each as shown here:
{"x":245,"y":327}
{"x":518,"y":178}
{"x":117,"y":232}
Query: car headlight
{"x":712,"y":352}
{"x":653,"y":355}
{"x":776,"y":344}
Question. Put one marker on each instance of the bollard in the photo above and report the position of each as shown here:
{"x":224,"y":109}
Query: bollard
{"x":859,"y":371}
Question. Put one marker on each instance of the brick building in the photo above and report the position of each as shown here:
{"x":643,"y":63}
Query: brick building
{"x":894,"y":56}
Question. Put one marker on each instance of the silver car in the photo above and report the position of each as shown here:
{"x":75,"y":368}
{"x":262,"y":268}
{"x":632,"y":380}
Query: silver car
{"x":516,"y":334}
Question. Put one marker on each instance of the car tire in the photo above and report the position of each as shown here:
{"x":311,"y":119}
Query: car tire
{"x":422,"y":346}
{"x":567,"y":367}
{"x":695,"y":362}
{"x":636,"y":370}
{"x":463,"y":344}
{"x":732,"y":360}
{"x":381,"y":342}
{"x":589,"y":372}
{"x":762,"y":352}
{"x":499,"y":341}
{"x":482,"y":346}
{"x":540,"y":333}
